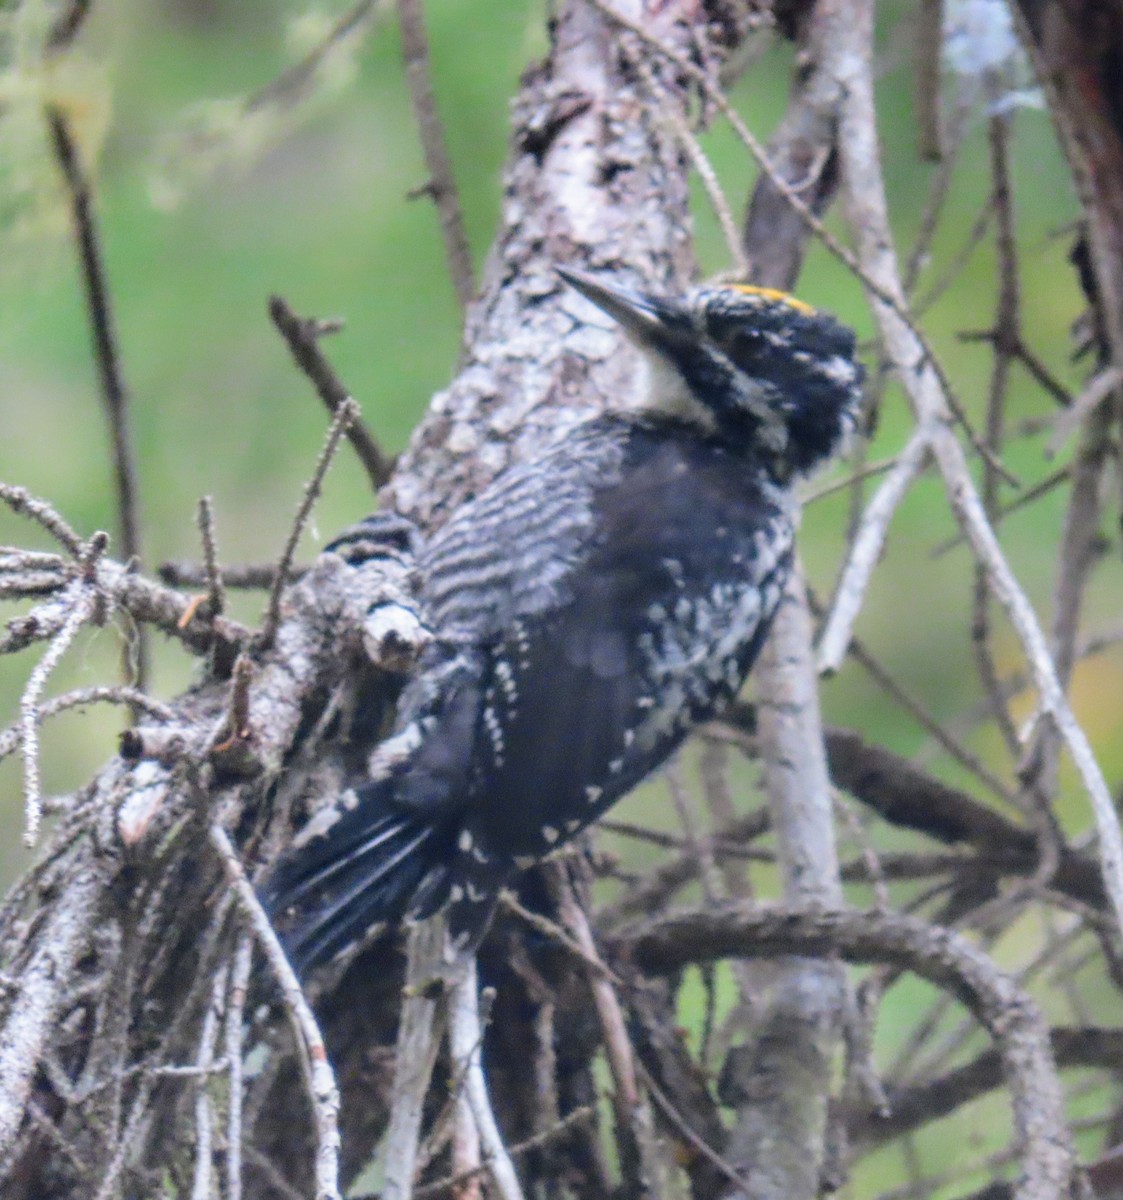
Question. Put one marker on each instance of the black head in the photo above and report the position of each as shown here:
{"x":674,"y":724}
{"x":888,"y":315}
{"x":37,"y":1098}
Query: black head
{"x":754,"y":364}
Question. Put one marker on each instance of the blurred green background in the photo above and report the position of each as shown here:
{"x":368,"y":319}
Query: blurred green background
{"x":316,"y":206}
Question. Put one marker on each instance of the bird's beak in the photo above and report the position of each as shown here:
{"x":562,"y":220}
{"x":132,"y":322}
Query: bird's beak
{"x":648,"y":319}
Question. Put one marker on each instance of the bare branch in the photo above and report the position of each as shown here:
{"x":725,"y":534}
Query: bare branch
{"x":322,"y":1091}
{"x":235,"y":1012}
{"x":668,"y":944}
{"x":639,"y":1149}
{"x":251,"y":576}
{"x":20,"y":501}
{"x":416,"y":1054}
{"x":868,"y":215}
{"x":465,"y":1042}
{"x":81,"y":598}
{"x":202,"y":1184}
{"x":143,"y":600}
{"x":113,"y":391}
{"x":10,"y":737}
{"x":302,"y":336}
{"x":216,"y":597}
{"x":441,"y":184}
{"x":31,"y":1017}
{"x":865,"y":552}
{"x":345,"y":414}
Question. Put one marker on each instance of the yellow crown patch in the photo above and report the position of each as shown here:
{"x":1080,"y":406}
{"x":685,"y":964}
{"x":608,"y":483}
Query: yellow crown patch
{"x":774,"y":294}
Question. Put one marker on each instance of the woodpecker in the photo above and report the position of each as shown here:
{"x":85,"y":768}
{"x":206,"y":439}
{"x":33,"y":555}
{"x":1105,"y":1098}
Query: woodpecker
{"x":588,"y":609}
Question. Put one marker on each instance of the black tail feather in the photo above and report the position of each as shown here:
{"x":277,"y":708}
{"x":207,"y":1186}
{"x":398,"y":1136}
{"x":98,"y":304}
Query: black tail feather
{"x":366,"y":868}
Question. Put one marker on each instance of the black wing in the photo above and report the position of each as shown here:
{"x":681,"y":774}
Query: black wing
{"x":662,"y":612}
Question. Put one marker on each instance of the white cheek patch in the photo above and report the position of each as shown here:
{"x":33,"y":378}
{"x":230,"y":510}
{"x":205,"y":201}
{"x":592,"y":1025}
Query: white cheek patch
{"x":661,"y":388}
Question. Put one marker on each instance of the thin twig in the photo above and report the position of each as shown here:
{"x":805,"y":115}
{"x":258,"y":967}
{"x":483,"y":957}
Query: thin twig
{"x":860,"y":475}
{"x":672,"y":1114}
{"x":235,"y":1009}
{"x":874,"y":868}
{"x":653,"y":891}
{"x":929,"y":34}
{"x":114,"y":394}
{"x":273,"y":108}
{"x":10,"y":737}
{"x":23,"y":503}
{"x":234,"y":730}
{"x":302,"y":336}
{"x":216,"y":595}
{"x":319,"y":1077}
{"x":441,"y":184}
{"x":702,"y":165}
{"x":465,"y":1042}
{"x":959,"y":260}
{"x":1028,"y":496}
{"x":556,"y":933}
{"x":248,"y":576}
{"x":699,"y":848}
{"x":633,"y":1112}
{"x":138,"y":1122}
{"x":562,"y":1126}
{"x":865,"y":553}
{"x":345,"y":414}
{"x":920,"y":253}
{"x":1097,"y":389}
{"x":1006,"y":334}
{"x":296,"y":82}
{"x":414,"y":1057}
{"x":202,"y":1187}
{"x":66,"y":26}
{"x":43,"y":1122}
{"x":958,"y":751}
{"x":82,"y":597}
{"x":278,"y":1182}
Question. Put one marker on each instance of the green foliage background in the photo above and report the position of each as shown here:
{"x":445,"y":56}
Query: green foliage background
{"x":319,"y":212}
